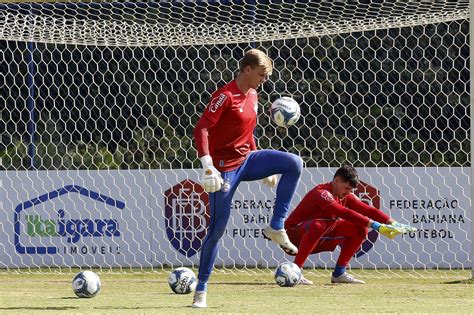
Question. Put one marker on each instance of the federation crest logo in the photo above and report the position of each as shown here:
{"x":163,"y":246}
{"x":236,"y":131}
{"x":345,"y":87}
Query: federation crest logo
{"x":186,"y":216}
{"x":370,"y":195}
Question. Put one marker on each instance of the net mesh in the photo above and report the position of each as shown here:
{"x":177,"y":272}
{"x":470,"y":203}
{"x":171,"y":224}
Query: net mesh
{"x":96,"y":148}
{"x":202,"y":23}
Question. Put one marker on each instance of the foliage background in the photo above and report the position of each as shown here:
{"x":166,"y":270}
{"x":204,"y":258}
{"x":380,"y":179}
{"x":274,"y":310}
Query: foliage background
{"x":393,"y":97}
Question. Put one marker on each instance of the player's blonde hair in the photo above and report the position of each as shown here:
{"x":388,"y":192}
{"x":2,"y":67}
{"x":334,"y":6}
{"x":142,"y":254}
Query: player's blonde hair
{"x":256,"y":58}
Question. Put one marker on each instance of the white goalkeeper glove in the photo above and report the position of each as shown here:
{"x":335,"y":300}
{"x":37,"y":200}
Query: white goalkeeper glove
{"x":404,"y":227}
{"x":270,"y":181}
{"x":211,"y":179}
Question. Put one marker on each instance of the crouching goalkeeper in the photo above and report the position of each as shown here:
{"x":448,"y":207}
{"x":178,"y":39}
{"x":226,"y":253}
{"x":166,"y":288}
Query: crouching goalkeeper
{"x":330,"y":215}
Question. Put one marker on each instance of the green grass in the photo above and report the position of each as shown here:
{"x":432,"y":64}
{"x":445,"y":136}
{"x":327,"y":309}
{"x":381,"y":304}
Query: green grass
{"x":241,"y":293}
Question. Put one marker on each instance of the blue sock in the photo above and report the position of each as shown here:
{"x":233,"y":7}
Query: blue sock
{"x":201,"y":286}
{"x":277,"y":222}
{"x":338,"y":270}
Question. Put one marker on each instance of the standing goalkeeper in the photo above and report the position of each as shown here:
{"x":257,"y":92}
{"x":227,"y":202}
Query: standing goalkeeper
{"x":226,"y":147}
{"x":330,"y":215}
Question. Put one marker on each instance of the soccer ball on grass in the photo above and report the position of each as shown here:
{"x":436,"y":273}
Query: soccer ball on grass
{"x":182,"y":280}
{"x":86,"y":284}
{"x":288,"y":274}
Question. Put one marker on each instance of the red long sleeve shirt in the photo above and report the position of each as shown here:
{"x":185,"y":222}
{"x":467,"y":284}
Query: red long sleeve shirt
{"x":225,"y":129}
{"x":319,"y":203}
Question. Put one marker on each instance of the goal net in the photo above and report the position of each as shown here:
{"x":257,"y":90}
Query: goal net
{"x":98,"y":167}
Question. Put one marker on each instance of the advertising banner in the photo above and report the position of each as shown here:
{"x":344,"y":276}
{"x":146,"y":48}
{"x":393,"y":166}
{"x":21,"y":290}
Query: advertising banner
{"x":144,"y":218}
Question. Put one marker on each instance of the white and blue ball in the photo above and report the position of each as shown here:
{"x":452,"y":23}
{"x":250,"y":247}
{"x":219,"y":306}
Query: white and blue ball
{"x":182,"y":280}
{"x":86,"y":284}
{"x":285,"y":111}
{"x":288,"y":274}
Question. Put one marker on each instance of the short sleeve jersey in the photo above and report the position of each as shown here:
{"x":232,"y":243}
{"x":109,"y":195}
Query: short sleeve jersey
{"x":234,"y":117}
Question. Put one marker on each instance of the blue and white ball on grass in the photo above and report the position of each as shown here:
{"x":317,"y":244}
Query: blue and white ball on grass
{"x":86,"y":284}
{"x":285,"y":111}
{"x":182,"y":280}
{"x":288,"y":274}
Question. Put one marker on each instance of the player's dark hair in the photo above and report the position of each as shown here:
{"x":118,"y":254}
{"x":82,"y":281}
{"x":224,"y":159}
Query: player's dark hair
{"x":348,"y":174}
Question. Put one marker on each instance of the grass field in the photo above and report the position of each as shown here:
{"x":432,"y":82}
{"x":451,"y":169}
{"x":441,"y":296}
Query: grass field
{"x":149,"y":293}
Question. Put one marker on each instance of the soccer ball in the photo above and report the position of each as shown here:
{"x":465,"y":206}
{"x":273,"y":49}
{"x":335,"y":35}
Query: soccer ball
{"x":288,"y":274}
{"x":285,"y":111}
{"x":86,"y":284}
{"x":182,"y":280}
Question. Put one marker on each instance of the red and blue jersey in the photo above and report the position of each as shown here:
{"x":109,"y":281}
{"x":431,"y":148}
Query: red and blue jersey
{"x":230,"y":118}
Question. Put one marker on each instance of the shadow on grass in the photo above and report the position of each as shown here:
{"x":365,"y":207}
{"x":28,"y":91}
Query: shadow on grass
{"x":465,"y":281}
{"x":148,"y":307}
{"x":48,"y":308}
{"x":242,"y":283}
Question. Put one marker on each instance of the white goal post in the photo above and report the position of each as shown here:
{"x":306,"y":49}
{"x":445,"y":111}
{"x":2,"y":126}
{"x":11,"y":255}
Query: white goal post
{"x":471,"y":50}
{"x":98,"y":167}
